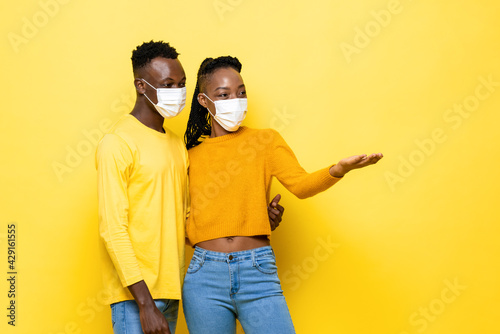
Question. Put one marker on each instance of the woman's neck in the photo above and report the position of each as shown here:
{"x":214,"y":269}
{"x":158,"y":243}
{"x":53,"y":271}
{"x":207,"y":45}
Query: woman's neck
{"x":218,"y":130}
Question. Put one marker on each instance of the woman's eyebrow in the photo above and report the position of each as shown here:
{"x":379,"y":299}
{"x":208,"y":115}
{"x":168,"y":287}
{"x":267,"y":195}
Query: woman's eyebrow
{"x":242,"y":85}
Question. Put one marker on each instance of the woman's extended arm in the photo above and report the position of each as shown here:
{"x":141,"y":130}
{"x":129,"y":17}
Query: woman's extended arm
{"x":284,"y":165}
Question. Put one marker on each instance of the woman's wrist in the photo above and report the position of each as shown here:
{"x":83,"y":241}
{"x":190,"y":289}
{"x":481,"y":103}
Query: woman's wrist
{"x":337,"y":171}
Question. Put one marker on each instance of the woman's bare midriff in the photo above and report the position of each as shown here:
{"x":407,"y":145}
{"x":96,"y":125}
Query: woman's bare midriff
{"x":234,"y":244}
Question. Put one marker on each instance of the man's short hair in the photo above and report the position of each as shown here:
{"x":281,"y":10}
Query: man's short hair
{"x":146,"y":52}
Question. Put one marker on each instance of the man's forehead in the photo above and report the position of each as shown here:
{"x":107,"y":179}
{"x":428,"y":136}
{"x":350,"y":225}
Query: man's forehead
{"x":161,"y":68}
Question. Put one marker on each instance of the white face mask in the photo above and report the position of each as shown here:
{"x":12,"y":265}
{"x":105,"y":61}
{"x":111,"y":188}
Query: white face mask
{"x":171,"y":101}
{"x":229,"y":113}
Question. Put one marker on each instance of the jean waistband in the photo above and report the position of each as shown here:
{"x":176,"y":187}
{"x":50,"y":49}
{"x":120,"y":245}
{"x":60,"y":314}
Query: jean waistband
{"x":250,"y":254}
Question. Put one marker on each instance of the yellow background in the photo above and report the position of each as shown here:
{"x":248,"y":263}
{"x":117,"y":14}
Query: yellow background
{"x":425,"y":217}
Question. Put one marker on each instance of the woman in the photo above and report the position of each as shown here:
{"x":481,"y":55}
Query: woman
{"x":233,"y":273}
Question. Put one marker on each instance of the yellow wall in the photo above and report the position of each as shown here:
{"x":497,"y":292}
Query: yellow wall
{"x":408,"y":246}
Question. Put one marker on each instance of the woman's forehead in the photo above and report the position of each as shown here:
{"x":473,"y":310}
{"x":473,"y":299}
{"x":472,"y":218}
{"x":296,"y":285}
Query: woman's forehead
{"x":226,"y":76}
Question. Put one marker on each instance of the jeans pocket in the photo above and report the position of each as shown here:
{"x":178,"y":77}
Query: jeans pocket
{"x":266,"y":264}
{"x":195,"y":265}
{"x":171,"y":310}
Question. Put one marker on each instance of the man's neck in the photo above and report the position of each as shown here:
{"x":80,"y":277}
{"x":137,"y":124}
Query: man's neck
{"x":148,"y":116}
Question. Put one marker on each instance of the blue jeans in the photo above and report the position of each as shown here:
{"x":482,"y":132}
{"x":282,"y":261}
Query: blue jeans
{"x":222,"y":287}
{"x":125,"y":315}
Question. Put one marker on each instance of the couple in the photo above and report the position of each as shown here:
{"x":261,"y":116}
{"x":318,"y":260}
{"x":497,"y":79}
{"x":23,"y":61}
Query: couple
{"x":145,"y":197}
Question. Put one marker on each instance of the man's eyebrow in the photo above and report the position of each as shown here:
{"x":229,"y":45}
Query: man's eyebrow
{"x":171,"y":79}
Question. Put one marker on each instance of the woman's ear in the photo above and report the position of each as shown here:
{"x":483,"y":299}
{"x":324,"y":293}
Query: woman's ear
{"x":202,"y":99}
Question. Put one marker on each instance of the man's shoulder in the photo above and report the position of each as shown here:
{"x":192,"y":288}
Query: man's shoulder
{"x":123,"y":126}
{"x":119,"y":135}
{"x":126,"y":130}
{"x":174,"y":137}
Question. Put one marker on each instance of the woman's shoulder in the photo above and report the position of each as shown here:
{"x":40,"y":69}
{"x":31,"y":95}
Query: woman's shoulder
{"x":194,"y":149}
{"x":269,"y":136}
{"x":266,"y":132}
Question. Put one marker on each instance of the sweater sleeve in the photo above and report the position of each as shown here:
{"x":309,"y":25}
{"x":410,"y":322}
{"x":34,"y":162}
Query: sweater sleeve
{"x":285,"y":167}
{"x":114,"y":161}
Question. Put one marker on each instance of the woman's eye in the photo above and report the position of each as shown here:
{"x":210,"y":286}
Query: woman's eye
{"x":222,"y":95}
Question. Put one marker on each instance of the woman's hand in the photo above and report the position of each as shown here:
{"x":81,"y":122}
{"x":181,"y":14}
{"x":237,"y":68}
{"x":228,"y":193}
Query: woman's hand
{"x":356,"y":161}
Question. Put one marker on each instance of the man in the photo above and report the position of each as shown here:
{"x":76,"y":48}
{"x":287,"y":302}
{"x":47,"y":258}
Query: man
{"x":143,"y":198}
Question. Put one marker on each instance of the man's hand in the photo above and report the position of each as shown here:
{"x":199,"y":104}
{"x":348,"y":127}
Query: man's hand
{"x":152,"y":320}
{"x":275,"y":212}
{"x":356,"y":161}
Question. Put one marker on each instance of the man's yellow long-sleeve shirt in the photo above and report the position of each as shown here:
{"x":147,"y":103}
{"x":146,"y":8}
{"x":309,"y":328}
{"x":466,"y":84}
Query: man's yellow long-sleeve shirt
{"x":143,"y":203}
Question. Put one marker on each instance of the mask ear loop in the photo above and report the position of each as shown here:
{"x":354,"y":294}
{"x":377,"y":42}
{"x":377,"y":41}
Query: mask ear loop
{"x":212,"y":102}
{"x":148,"y":83}
{"x":145,"y":93}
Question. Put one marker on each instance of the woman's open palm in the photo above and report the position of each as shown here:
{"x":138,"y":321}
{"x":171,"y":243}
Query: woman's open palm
{"x":360,"y":161}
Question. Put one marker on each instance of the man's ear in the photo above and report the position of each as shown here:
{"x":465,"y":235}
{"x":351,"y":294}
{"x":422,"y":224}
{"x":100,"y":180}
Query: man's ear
{"x":140,"y":86}
{"x":202,"y":99}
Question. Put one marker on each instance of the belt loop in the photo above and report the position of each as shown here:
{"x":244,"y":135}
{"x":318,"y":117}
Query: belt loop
{"x":253,"y":257}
